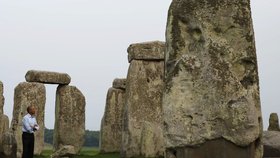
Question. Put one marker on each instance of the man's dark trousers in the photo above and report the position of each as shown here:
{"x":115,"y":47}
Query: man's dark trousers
{"x":28,"y":145}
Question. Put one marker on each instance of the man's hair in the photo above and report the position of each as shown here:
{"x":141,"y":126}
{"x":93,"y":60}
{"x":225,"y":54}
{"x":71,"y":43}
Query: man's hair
{"x":29,"y":107}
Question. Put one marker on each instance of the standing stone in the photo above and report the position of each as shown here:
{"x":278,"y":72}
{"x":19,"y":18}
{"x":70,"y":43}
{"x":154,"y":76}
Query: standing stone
{"x":47,"y":77}
{"x":2,"y":99}
{"x":4,"y":120}
{"x":273,"y":122}
{"x":27,"y":94}
{"x":69,"y":118}
{"x":211,"y":97}
{"x":9,"y":145}
{"x":112,"y":121}
{"x":142,"y":132}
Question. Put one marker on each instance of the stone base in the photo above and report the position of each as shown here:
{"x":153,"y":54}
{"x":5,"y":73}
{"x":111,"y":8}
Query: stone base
{"x":219,"y":148}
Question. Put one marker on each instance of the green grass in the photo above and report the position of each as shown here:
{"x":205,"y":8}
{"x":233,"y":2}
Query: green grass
{"x":86,"y":152}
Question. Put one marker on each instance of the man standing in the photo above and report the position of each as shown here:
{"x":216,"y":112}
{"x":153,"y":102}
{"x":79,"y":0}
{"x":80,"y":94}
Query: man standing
{"x":29,"y":126}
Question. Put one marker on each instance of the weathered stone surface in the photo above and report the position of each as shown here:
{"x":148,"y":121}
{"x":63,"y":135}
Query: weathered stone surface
{"x":212,"y":85}
{"x":271,"y":143}
{"x":142,"y":133}
{"x":9,"y":145}
{"x":146,"y":51}
{"x":4,"y":126}
{"x":112,"y":121}
{"x":47,"y":77}
{"x":69,"y":118}
{"x":119,"y":83}
{"x":2,"y":99}
{"x":273,"y":122}
{"x":152,"y":142}
{"x":27,"y":94}
{"x":64,"y":151}
{"x":214,"y":149}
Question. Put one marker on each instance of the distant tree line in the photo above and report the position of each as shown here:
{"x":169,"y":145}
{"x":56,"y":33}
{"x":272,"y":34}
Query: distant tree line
{"x":91,"y":137}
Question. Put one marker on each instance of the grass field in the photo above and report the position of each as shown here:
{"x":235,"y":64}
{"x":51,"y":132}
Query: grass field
{"x":86,"y":152}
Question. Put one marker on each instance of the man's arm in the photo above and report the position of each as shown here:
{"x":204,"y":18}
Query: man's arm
{"x":36,"y":126}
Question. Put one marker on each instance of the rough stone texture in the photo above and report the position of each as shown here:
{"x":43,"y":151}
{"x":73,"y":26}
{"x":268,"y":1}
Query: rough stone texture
{"x":64,"y":151}
{"x":4,"y":126}
{"x":9,"y":145}
{"x":212,"y":149}
{"x":271,"y":143}
{"x":112,"y":121}
{"x":142,"y":132}
{"x":4,"y":120}
{"x":146,"y":51}
{"x":273,"y":122}
{"x":119,"y":83}
{"x":27,"y":94}
{"x":2,"y":99}
{"x":212,"y":85}
{"x":69,"y":118}
{"x":47,"y":77}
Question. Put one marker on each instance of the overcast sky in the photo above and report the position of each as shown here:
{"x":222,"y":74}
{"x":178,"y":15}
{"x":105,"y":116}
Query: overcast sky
{"x":88,"y":40}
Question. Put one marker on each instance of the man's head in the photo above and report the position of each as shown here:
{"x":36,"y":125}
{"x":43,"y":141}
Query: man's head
{"x":31,"y":110}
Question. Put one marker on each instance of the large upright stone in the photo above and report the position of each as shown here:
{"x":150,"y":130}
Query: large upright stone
{"x":69,"y":118}
{"x":9,"y":145}
{"x":4,"y":120}
{"x":2,"y":99}
{"x":142,"y":133}
{"x":273,"y":122}
{"x":27,"y":94}
{"x":47,"y":77}
{"x":112,"y":121}
{"x":211,"y":94}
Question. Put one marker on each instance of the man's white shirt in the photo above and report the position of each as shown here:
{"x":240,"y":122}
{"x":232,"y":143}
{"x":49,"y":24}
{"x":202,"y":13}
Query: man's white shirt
{"x":28,"y":122}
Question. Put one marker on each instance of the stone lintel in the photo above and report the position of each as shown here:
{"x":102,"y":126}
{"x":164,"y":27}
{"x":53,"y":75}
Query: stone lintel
{"x":146,"y":51}
{"x":119,"y":83}
{"x":47,"y":77}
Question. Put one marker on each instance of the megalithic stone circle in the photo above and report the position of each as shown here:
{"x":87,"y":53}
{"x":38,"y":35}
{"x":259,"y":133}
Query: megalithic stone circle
{"x":69,"y":118}
{"x":27,"y":94}
{"x":112,"y":121}
{"x":211,"y":97}
{"x":142,"y":132}
{"x":47,"y":77}
{"x":273,"y":122}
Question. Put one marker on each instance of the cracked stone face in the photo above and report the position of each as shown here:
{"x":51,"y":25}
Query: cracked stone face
{"x":211,"y":76}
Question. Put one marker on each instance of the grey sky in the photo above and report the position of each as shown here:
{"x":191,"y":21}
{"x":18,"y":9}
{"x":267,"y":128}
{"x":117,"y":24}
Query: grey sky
{"x":88,"y":40}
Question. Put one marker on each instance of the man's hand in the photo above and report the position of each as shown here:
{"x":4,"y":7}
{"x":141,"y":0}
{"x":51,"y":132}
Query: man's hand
{"x":35,"y":127}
